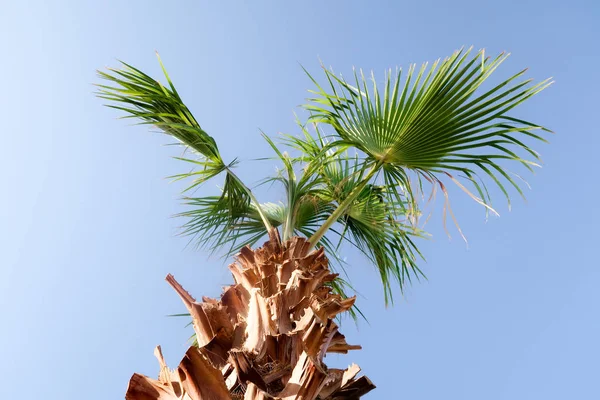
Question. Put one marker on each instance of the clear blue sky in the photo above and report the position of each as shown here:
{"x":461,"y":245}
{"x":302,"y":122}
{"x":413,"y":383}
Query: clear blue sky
{"x":87,"y":237}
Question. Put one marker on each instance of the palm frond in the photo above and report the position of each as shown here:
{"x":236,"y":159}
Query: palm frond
{"x":373,"y":220}
{"x":386,"y":241}
{"x":215,"y":222}
{"x":434,"y":120}
{"x":374,"y":224}
{"x":146,"y":99}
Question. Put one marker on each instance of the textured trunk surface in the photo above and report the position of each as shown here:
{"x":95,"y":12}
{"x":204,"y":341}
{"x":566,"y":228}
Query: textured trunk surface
{"x":265,"y":338}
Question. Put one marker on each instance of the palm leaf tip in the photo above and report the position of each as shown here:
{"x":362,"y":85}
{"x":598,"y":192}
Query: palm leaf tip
{"x":434,"y":119}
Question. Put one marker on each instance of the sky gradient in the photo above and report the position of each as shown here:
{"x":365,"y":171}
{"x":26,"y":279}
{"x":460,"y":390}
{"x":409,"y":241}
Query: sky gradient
{"x":87,"y":235}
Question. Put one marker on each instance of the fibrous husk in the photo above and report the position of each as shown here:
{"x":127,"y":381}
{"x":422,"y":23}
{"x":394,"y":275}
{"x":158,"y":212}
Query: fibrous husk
{"x":266,"y":337}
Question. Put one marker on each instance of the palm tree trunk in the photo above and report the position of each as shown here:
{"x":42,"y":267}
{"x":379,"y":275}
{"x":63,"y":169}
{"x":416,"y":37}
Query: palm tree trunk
{"x":266,"y":337}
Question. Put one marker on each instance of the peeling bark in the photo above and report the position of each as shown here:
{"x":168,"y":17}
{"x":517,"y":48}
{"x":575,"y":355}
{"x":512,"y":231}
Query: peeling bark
{"x":266,"y":337}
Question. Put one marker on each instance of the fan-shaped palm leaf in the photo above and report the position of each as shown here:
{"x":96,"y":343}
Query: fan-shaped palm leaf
{"x":433,"y":121}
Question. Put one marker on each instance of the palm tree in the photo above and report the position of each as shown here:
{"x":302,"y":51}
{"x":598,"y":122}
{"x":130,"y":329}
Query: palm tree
{"x":356,"y":174}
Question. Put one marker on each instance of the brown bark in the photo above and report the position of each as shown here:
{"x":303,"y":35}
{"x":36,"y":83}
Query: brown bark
{"x":266,"y":337}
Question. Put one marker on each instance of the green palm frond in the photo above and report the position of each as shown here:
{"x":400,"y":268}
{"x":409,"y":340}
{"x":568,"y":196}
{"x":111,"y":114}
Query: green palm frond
{"x":146,"y":99}
{"x":434,"y":121}
{"x":374,"y":223}
{"x":373,"y":220}
{"x":212,"y":224}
